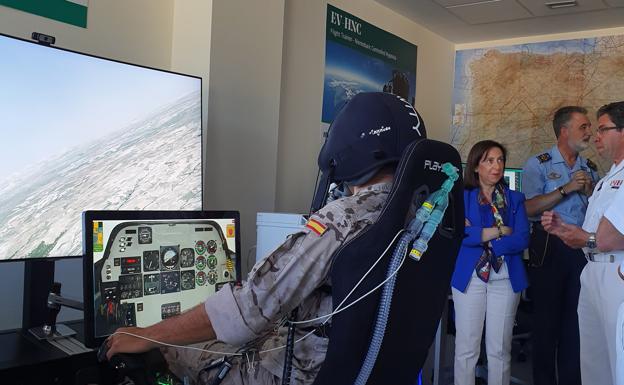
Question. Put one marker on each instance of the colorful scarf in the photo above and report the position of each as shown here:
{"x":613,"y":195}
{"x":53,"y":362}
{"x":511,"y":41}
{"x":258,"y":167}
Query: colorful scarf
{"x":488,"y":260}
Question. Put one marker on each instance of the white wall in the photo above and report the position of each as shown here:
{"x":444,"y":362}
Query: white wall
{"x":302,"y":88}
{"x":543,"y":38}
{"x":243,"y":112}
{"x":190,"y":48}
{"x":137,"y":31}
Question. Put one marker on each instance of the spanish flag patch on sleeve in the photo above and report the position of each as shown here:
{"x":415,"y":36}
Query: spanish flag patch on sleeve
{"x":316,"y":226}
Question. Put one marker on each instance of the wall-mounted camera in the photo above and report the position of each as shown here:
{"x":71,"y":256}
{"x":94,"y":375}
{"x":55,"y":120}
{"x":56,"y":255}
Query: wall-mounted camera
{"x":43,"y":38}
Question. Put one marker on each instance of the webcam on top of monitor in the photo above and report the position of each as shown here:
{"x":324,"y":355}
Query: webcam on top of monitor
{"x":43,"y":38}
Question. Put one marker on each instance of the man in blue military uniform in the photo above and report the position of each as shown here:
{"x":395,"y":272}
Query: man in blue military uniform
{"x":560,"y":180}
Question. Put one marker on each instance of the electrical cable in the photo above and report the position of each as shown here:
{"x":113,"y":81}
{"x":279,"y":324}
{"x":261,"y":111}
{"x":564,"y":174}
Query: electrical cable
{"x":316,"y":182}
{"x":419,"y":232}
{"x":326,"y":316}
{"x":290,"y":345}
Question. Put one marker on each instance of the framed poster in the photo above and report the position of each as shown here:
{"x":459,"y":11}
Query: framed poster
{"x":360,"y":57}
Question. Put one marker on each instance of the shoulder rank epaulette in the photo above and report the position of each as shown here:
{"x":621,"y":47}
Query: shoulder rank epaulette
{"x":592,"y":165}
{"x":545,"y":157}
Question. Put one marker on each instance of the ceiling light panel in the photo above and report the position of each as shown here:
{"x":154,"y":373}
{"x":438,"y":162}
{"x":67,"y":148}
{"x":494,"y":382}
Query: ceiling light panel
{"x":615,"y":3}
{"x":464,"y":3}
{"x":482,"y":12}
{"x":561,"y":7}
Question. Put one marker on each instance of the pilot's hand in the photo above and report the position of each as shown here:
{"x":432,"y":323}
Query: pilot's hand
{"x":123,"y":342}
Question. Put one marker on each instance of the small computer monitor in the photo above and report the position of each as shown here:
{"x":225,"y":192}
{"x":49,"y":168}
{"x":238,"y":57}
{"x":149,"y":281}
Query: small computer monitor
{"x":513,"y":178}
{"x":141,"y":267}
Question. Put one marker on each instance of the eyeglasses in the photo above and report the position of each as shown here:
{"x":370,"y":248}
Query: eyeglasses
{"x":602,"y":130}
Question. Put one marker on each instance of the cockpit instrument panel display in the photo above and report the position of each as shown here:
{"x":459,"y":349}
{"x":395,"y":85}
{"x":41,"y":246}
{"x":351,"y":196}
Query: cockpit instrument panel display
{"x":142,"y":267}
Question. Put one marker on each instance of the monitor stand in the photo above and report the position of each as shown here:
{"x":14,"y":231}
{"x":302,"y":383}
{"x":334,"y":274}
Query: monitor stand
{"x":42,"y":302}
{"x":38,"y":279}
{"x":60,"y":331}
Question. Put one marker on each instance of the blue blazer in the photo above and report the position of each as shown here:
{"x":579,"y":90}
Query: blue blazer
{"x":512,"y":246}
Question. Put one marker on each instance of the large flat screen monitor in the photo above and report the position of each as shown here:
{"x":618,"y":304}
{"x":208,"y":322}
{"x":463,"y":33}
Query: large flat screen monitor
{"x":80,"y":132}
{"x":141,"y":267}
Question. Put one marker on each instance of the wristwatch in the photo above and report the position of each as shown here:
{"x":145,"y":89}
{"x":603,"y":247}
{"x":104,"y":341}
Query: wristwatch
{"x":591,"y":241}
{"x":562,"y":191}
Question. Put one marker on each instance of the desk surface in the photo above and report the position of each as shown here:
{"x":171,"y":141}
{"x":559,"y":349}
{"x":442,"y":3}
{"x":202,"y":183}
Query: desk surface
{"x":20,"y":351}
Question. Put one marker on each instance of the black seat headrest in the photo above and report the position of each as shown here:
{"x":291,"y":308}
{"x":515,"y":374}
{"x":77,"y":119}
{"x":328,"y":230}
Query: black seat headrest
{"x":421,"y":287}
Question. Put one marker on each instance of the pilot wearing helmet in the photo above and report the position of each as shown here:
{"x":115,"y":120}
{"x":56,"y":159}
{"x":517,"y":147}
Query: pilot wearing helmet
{"x":363,"y":146}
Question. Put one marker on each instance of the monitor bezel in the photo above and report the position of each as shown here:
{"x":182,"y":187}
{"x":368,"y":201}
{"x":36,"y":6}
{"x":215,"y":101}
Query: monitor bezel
{"x":91,"y":340}
{"x":201,"y":154}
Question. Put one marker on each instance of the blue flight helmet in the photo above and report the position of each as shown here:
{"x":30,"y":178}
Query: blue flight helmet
{"x":369,"y":132}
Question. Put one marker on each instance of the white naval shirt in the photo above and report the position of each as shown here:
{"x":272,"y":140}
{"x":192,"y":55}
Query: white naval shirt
{"x":607,"y":200}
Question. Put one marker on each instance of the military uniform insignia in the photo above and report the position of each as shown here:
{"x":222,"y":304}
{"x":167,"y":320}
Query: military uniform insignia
{"x":615,"y":184}
{"x":592,"y":165}
{"x":545,"y":157}
{"x":554,"y":175}
{"x":316,"y":226}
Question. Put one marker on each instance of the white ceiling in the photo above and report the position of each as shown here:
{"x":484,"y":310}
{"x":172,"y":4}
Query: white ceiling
{"x":468,"y":21}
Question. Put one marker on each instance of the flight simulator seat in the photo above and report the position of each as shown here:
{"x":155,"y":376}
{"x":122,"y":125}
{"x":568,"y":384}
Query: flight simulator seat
{"x":421,"y":286}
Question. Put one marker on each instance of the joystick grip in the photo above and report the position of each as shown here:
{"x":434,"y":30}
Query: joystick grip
{"x":101,"y":354}
{"x":140,"y":367}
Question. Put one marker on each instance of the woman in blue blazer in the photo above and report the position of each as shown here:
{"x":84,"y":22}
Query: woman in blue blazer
{"x":489,"y":274}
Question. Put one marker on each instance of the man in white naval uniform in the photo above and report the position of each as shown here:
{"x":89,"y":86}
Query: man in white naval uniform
{"x":602,"y":240}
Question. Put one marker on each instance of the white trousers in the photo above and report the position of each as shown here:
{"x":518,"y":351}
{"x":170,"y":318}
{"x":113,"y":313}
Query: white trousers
{"x":602,"y":293}
{"x":495,"y":303}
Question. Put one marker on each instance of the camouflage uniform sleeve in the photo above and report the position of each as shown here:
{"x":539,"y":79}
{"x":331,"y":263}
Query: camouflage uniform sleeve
{"x":279,"y":282}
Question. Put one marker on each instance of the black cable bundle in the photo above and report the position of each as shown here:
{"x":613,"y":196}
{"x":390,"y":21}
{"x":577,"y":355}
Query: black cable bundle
{"x":290,"y":347}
